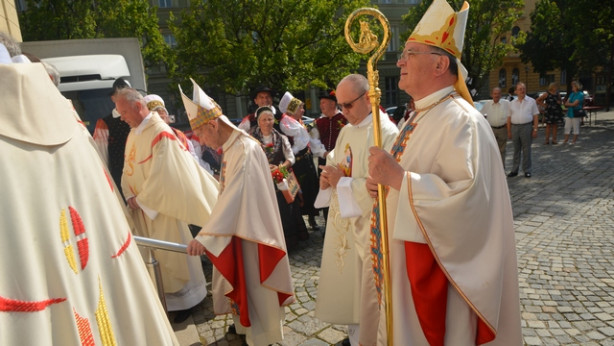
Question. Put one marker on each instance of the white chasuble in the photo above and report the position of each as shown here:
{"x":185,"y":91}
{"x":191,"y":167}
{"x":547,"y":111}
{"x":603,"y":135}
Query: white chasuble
{"x":245,"y":242}
{"x":346,"y":290}
{"x":454,"y":204}
{"x":71,"y":271}
{"x":170,"y":184}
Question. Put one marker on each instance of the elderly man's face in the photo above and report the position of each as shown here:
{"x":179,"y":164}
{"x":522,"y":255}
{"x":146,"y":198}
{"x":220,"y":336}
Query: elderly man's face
{"x":328,"y":107}
{"x":263,"y":99}
{"x":208,"y":134}
{"x":130,"y":111}
{"x":416,"y":66}
{"x":496,"y":95}
{"x":521,"y":91}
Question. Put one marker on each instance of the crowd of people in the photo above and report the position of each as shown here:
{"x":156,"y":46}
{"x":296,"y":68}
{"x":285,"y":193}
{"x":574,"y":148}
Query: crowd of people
{"x":518,"y":119}
{"x":239,"y":194}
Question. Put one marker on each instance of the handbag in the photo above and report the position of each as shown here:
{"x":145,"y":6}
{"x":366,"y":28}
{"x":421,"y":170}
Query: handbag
{"x":579,"y":113}
{"x":289,"y":187}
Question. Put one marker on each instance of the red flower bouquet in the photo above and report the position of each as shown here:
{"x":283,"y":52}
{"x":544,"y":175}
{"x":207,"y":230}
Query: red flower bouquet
{"x":286,"y":182}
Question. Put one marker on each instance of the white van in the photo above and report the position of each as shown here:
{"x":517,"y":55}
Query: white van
{"x":88,"y":69}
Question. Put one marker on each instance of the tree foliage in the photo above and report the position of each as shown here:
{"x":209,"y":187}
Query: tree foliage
{"x":236,"y":45}
{"x":488,"y":21}
{"x":577,"y":35}
{"x":73,"y":19}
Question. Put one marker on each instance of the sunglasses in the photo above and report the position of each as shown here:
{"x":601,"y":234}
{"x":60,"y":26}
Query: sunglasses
{"x":350,"y":104}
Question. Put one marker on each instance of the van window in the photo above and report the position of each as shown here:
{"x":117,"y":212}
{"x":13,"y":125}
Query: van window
{"x":91,"y":105}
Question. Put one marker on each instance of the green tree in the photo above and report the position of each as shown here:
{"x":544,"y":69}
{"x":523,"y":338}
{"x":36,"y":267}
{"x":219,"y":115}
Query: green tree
{"x":549,"y":33}
{"x":235,"y":45}
{"x":73,"y":19}
{"x":488,"y":21}
{"x":578,"y":36}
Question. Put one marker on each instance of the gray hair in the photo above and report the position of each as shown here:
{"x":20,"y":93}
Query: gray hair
{"x":131,"y":95}
{"x":11,"y":45}
{"x":453,"y":65}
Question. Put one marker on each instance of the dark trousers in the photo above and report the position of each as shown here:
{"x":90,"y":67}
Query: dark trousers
{"x":521,"y":138}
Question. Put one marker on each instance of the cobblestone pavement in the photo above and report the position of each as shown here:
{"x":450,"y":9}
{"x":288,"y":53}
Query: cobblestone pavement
{"x":564,"y":223}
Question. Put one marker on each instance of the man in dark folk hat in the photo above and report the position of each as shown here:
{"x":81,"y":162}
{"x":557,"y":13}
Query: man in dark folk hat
{"x":263,"y":97}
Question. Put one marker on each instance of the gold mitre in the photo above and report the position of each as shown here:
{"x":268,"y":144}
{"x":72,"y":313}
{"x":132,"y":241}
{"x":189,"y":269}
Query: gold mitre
{"x":441,"y":27}
{"x":289,"y":104}
{"x":202,"y":109}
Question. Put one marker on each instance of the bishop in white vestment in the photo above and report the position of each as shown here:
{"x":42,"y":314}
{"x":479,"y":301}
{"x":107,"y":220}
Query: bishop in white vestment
{"x":244,"y":238}
{"x":454,"y":279}
{"x":172,"y":191}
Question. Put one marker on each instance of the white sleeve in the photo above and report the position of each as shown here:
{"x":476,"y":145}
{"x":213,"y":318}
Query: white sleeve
{"x":288,"y":154}
{"x":245,"y":124}
{"x":316,"y":146}
{"x":292,"y":128}
{"x":101,"y":138}
{"x":348,"y":206}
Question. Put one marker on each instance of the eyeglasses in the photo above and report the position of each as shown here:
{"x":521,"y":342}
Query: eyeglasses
{"x":407,"y":53}
{"x":350,"y":104}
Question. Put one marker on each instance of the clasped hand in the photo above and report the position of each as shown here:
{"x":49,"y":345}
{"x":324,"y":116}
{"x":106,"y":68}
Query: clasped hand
{"x":330,"y":176}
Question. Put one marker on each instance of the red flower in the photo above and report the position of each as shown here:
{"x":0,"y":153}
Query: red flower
{"x":269,"y":148}
{"x":277,"y":176}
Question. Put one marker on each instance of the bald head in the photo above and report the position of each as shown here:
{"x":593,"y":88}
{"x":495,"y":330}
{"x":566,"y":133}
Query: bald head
{"x":353,"y":98}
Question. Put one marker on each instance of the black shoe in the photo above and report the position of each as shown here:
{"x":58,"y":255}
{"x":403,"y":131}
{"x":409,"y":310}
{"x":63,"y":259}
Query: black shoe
{"x":232,"y":329}
{"x":312,"y":223}
{"x":527,"y":175}
{"x":345,"y":342}
{"x":182,"y":315}
{"x":512,"y":174}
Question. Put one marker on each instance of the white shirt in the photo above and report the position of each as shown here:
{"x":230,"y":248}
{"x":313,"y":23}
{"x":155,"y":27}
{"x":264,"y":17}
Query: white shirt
{"x":292,"y":128}
{"x":497,"y":113}
{"x":522,"y":112}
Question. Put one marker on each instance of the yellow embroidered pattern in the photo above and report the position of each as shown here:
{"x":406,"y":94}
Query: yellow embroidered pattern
{"x":342,"y":227}
{"x":131,"y":159}
{"x":102,"y":319}
{"x":65,"y":236}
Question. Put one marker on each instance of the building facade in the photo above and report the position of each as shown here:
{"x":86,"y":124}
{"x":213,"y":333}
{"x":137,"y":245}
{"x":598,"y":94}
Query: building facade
{"x":9,"y":22}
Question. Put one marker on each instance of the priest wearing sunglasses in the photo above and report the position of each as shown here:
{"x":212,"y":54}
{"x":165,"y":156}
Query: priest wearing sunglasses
{"x":346,"y":290}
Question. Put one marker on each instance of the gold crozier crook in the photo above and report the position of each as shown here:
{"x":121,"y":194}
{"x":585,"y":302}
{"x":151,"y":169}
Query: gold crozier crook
{"x":367,"y":42}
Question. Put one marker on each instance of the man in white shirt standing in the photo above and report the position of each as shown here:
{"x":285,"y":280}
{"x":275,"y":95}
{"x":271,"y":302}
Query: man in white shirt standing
{"x":497,"y":111}
{"x":522,"y":128}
